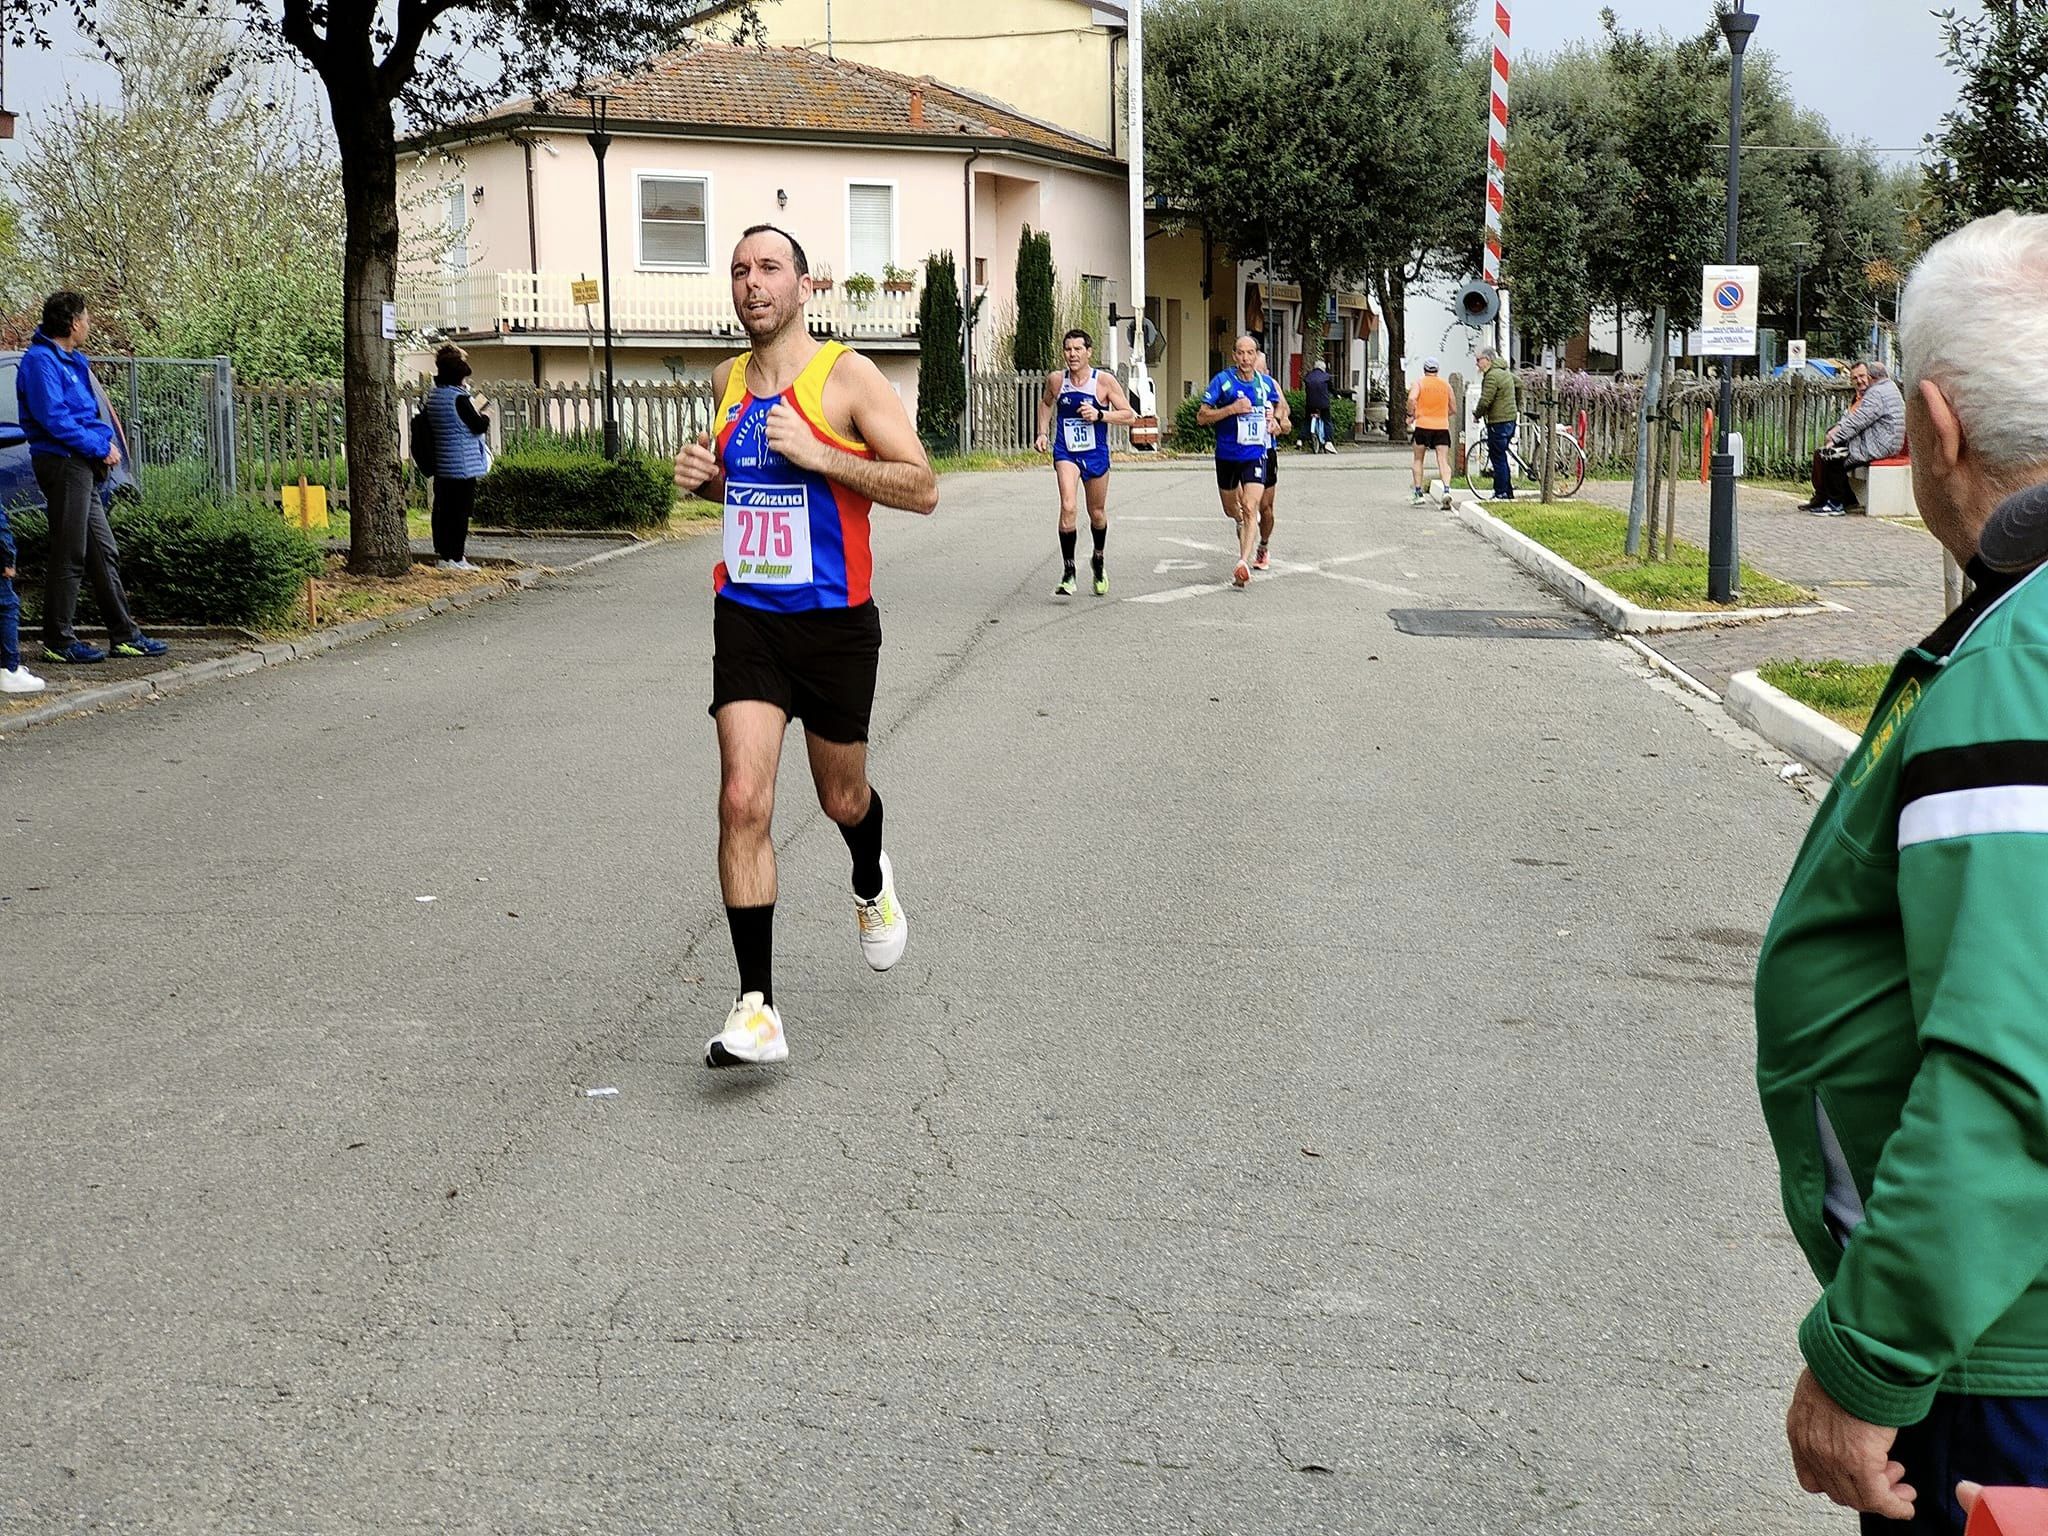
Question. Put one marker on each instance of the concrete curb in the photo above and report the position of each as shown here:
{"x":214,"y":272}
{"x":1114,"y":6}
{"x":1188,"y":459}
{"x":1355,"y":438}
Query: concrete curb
{"x":277,"y":652}
{"x":1789,"y":725}
{"x":1603,"y":602}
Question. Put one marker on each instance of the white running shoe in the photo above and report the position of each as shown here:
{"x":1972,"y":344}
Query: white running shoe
{"x":20,"y":680}
{"x":752,"y":1036}
{"x":1242,"y":576}
{"x":884,"y":930}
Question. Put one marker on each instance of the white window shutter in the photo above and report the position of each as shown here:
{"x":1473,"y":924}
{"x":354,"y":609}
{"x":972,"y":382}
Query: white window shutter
{"x":871,"y":227}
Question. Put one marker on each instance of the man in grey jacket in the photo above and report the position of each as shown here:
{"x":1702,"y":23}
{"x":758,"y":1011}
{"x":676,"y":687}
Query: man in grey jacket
{"x":1872,"y":429}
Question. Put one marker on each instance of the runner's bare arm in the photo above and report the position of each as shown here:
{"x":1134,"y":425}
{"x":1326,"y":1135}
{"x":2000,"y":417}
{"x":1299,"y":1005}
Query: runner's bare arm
{"x":697,"y":467}
{"x":1208,"y":415}
{"x":1119,"y":412}
{"x":1047,"y":397}
{"x":860,"y":403}
{"x":1283,"y":422}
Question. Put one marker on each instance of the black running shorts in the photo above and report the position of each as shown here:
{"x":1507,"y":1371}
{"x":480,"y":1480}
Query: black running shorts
{"x":1432,"y":437}
{"x":1232,"y":473}
{"x":817,"y":667}
{"x":1272,"y":467}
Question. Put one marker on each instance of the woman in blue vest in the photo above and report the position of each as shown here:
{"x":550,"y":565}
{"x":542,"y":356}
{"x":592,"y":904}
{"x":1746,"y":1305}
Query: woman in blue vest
{"x":461,"y":454}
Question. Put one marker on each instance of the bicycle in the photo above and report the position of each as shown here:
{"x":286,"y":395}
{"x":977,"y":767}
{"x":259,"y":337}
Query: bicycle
{"x":1569,"y":464}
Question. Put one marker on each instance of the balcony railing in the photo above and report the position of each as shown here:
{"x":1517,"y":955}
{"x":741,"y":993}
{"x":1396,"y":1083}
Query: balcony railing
{"x":659,"y":303}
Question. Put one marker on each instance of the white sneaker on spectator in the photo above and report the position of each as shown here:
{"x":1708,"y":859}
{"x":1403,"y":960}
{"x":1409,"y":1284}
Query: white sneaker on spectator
{"x":20,"y":680}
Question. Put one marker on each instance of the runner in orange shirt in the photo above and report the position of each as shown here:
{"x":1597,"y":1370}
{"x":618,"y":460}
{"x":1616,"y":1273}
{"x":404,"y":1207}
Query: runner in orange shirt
{"x":1429,"y":419}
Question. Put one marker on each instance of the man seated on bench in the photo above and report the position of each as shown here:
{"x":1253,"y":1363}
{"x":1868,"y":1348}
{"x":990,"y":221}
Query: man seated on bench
{"x":1873,"y":428}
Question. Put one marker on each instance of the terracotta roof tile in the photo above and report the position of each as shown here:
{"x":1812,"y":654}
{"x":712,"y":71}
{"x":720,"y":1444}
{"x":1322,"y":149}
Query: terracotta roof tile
{"x":721,"y":85}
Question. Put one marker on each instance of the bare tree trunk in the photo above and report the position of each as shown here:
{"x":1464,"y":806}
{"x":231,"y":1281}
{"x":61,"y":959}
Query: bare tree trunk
{"x":366,"y":131}
{"x":1393,"y":297}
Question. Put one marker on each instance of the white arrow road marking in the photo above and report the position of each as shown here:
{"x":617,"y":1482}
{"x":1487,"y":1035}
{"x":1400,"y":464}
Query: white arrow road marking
{"x":1175,"y":594}
{"x":1279,"y":568}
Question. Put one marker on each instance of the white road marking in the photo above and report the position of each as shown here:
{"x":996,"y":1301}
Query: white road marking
{"x":1178,"y":565}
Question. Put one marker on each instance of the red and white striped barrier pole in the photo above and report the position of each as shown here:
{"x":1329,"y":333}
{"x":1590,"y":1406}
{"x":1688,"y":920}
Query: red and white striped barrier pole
{"x":1496,"y":145}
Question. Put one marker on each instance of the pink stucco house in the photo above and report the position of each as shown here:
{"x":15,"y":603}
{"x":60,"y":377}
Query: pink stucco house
{"x":868,"y":168}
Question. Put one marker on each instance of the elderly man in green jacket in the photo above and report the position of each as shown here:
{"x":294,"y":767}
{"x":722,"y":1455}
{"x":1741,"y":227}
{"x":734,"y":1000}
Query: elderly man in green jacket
{"x":1902,"y":992}
{"x":1496,"y":410}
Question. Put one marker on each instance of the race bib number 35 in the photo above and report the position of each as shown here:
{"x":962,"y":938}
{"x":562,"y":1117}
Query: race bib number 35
{"x":1080,"y":435}
{"x":768,"y":535}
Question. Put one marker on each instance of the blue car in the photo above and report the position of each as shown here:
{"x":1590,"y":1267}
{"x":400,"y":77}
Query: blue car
{"x":18,"y":486}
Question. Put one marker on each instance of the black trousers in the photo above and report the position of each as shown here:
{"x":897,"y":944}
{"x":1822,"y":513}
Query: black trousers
{"x":81,"y":549}
{"x":1831,"y":480}
{"x":454,"y":500}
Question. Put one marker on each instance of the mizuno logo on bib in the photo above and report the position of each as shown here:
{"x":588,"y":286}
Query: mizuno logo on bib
{"x":768,"y":535}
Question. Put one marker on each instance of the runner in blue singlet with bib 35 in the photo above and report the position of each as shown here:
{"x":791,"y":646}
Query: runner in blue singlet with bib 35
{"x":1080,"y":404}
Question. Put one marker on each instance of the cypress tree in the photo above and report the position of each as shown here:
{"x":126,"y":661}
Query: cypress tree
{"x":941,"y":373}
{"x":1035,"y":350}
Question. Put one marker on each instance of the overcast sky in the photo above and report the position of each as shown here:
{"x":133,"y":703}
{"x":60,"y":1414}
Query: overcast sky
{"x":1872,"y":67}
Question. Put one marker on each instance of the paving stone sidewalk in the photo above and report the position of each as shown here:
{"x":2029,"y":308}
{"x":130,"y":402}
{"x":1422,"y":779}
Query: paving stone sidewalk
{"x":1886,"y":574}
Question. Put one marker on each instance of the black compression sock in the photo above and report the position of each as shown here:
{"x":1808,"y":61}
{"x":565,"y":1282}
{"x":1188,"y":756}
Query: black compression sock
{"x":1068,"y":538}
{"x":1101,"y":534}
{"x":753,"y":945}
{"x":864,"y":842}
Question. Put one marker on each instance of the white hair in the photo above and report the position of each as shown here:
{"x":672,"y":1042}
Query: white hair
{"x":1972,"y":322}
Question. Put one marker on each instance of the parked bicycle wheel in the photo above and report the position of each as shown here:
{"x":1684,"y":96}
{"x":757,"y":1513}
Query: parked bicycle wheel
{"x":1567,"y":460}
{"x":1478,"y":468}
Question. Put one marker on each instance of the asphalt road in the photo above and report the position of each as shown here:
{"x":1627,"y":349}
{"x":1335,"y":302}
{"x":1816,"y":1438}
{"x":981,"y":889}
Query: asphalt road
{"x":1316,"y":1097}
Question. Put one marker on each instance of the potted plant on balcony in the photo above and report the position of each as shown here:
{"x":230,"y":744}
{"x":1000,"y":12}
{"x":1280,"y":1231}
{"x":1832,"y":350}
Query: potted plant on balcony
{"x":860,"y":288}
{"x":897,"y":279}
{"x":821,"y":278}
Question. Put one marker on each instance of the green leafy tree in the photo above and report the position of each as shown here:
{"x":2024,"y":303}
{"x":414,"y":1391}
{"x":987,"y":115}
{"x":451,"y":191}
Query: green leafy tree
{"x":1337,"y":111}
{"x":198,"y":198}
{"x":1035,"y":350}
{"x":941,"y":365}
{"x":1993,"y":148}
{"x":1543,"y":239}
{"x":433,"y":60}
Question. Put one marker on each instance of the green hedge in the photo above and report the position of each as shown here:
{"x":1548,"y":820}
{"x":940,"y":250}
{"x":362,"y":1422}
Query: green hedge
{"x":543,"y":484}
{"x":1188,"y":437}
{"x":1343,"y":417}
{"x":190,"y":560}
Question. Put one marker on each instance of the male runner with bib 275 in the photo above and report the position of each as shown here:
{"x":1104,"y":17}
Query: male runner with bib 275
{"x":1079,"y":404}
{"x":809,"y":435}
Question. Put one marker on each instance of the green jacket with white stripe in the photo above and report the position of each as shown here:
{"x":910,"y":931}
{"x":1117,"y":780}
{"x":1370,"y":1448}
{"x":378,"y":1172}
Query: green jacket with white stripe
{"x":1902,"y":1026}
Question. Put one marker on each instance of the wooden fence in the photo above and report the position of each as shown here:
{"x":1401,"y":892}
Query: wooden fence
{"x":285,"y":431}
{"x":1782,"y":421}
{"x":1004,"y":414}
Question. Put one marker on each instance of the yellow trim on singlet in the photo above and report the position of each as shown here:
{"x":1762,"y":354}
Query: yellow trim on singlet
{"x":808,"y":388}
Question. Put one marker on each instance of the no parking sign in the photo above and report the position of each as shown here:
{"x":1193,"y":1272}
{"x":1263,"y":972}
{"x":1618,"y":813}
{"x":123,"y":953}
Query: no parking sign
{"x":1728,"y":311}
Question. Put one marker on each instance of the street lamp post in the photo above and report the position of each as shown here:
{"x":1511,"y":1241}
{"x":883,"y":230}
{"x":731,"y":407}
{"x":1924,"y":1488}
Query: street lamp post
{"x":600,"y":141}
{"x":1799,"y":290}
{"x":1736,"y":26}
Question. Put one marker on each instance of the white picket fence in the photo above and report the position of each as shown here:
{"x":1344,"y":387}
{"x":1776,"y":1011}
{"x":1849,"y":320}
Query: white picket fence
{"x":679,"y":303}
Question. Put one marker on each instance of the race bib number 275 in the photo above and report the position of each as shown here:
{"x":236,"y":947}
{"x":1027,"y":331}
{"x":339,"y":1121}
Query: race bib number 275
{"x":768,"y":535}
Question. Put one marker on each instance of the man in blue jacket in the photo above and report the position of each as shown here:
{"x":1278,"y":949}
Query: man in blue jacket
{"x":72,"y":450}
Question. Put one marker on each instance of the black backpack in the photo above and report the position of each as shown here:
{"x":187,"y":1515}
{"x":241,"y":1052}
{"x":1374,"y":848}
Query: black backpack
{"x":423,"y":441}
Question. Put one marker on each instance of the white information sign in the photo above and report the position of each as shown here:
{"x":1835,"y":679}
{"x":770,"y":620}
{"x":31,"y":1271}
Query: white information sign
{"x":1728,"y":311}
{"x":390,"y":320}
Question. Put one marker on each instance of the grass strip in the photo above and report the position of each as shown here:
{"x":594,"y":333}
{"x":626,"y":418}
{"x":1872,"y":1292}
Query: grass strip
{"x":1845,"y":691}
{"x":1593,"y":537}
